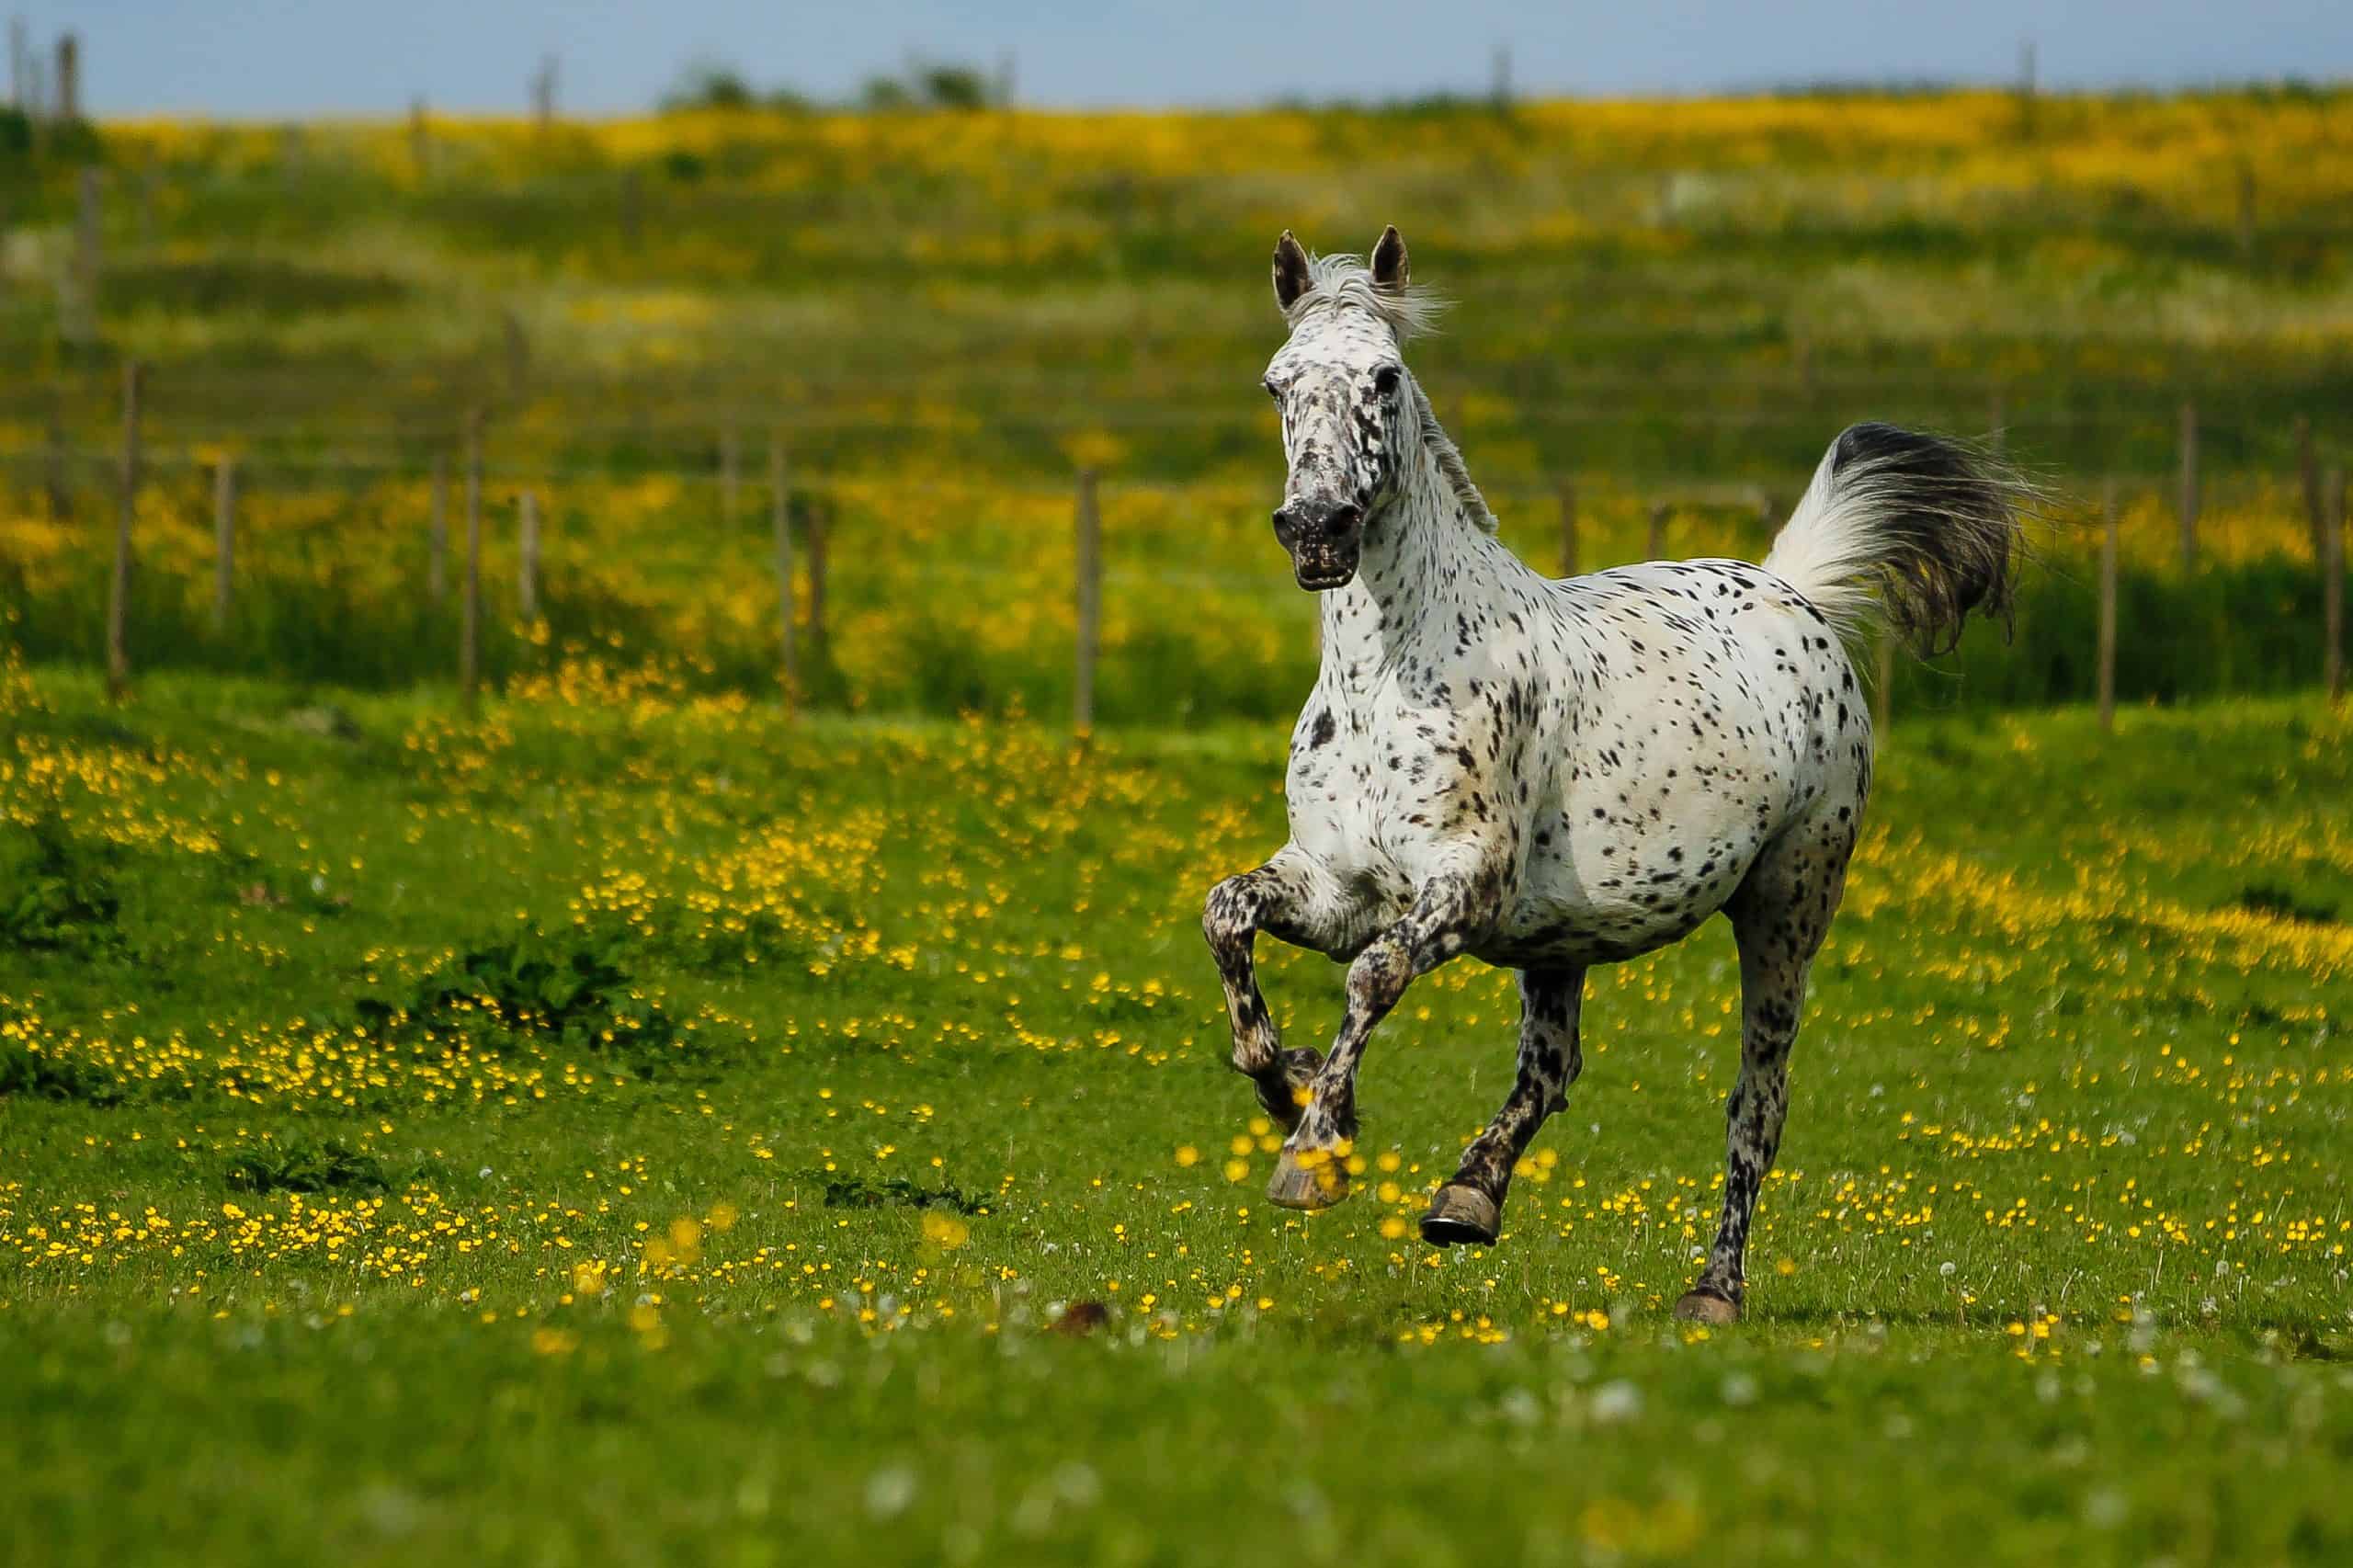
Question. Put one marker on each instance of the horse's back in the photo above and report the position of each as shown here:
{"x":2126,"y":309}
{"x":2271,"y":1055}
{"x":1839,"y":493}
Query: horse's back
{"x":1723,"y":648}
{"x":1714,"y":709}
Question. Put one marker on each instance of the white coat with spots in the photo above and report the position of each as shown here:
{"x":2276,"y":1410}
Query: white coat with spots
{"x":1550,"y":775}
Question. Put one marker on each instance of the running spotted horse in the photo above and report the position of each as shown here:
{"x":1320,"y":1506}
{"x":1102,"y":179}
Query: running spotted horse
{"x":1550,"y":775}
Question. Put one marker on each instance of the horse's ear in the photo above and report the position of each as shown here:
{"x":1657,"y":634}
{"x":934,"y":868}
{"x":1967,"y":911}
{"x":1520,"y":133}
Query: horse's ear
{"x":1291,"y":271}
{"x":1389,"y":259}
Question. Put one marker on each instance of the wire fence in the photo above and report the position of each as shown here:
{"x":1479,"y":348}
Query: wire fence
{"x":1580,"y":519}
{"x":1104,"y":403}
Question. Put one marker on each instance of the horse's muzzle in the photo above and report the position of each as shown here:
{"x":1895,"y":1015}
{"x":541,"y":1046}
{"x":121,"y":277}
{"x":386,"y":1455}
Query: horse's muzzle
{"x":1323,"y":538}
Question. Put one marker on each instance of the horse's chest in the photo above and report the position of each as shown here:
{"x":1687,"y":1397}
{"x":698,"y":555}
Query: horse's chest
{"x":1381,"y":790}
{"x":1339,"y":790}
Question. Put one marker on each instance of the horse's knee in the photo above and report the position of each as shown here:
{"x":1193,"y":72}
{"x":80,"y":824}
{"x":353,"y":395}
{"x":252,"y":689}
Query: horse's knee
{"x":1379,"y":977}
{"x":1230,"y":924}
{"x":1229,"y":915}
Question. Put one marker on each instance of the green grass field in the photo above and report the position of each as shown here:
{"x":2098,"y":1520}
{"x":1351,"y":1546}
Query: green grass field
{"x":630,"y":1126}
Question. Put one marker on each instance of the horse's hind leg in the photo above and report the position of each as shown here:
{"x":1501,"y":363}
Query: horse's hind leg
{"x":1779,"y":916}
{"x":1297,"y":900}
{"x":1470,"y":1207}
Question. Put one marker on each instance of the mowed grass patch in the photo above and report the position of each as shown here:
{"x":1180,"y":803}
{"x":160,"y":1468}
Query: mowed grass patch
{"x":343,"y":1208}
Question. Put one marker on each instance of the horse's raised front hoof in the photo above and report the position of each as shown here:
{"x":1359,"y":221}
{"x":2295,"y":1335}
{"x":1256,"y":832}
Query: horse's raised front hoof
{"x":1461,"y":1214}
{"x":1285,"y":1105}
{"x":1706,"y":1306}
{"x":1317,"y":1180}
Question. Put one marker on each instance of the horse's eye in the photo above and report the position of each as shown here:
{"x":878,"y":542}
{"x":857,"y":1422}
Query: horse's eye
{"x":1384,"y":379}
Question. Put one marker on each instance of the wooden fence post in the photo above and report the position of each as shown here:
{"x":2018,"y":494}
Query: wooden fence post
{"x":526,"y":555}
{"x":225,"y":538}
{"x":1568,"y":497}
{"x":2308,"y":469}
{"x":1089,"y":587}
{"x":544,"y":84}
{"x":819,"y":541}
{"x":2332,"y":596}
{"x":81,"y":321}
{"x":469,"y":621}
{"x":437,"y":533}
{"x":727,"y":466}
{"x":780,"y":524}
{"x":67,"y":84}
{"x":2189,"y":504}
{"x":2246,"y":213}
{"x":54,"y":464}
{"x":2108,"y":608}
{"x":118,"y":589}
{"x":420,"y":139}
{"x":1656,"y":548}
{"x":519,"y":355}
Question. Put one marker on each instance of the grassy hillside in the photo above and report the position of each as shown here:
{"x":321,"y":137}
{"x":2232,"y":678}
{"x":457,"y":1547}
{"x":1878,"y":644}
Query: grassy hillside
{"x":1660,"y":288}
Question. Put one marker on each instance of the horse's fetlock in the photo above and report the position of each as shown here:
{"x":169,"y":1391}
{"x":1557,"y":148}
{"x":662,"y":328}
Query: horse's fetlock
{"x":1485,"y":1170}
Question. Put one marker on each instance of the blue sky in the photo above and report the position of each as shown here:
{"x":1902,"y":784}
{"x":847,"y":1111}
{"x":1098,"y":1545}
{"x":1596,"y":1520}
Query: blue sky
{"x":262,"y":58}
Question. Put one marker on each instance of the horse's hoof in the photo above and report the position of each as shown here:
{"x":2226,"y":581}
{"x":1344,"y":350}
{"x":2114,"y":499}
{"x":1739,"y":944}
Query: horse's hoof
{"x":1317,"y":1180}
{"x":1706,"y":1306}
{"x":1461,"y":1214}
{"x":1286,"y":1105}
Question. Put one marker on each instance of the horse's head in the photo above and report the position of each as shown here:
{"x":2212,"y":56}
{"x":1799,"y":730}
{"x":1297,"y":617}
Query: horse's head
{"x":1348,"y":407}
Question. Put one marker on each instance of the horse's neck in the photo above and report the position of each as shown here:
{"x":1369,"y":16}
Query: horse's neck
{"x":1422,"y":556}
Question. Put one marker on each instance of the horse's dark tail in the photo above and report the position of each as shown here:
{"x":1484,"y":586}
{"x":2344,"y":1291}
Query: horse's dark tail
{"x":1905,"y":530}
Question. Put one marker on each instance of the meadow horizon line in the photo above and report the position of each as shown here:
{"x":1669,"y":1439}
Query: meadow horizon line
{"x":1434,"y":102}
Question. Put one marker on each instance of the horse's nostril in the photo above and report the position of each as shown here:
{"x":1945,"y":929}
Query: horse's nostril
{"x":1316,"y":520}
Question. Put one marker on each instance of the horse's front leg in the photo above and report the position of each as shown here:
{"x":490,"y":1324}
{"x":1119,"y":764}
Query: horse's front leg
{"x":1453,"y":908}
{"x":1294,"y":899}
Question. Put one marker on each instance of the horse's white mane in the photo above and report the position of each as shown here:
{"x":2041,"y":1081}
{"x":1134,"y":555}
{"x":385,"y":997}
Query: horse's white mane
{"x":1344,"y":279}
{"x":1450,"y":463}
